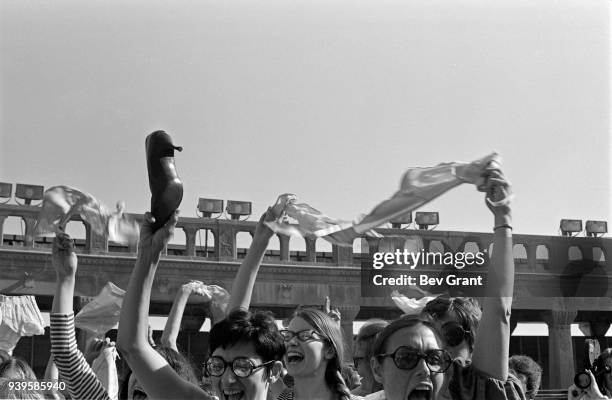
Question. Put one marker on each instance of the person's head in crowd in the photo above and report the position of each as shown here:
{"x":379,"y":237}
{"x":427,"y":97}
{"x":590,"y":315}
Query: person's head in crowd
{"x":350,"y":376}
{"x":17,"y":369}
{"x":246,"y":350}
{"x":528,"y":372}
{"x":131,"y":389}
{"x":362,"y":352}
{"x":602,"y":368}
{"x":408,"y":359}
{"x":18,"y":389}
{"x":4,"y":356}
{"x":315,"y":350}
{"x":456,"y":319}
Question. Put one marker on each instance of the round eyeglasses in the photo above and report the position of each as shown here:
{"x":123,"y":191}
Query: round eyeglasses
{"x":302,"y":336}
{"x":405,"y":357}
{"x":241,"y":366}
{"x":454,"y":333}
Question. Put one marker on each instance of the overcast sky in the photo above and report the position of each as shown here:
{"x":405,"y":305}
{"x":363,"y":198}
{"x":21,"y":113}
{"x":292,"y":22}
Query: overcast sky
{"x":330,"y":100}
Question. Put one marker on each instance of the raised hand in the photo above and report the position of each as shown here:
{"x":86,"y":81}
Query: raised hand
{"x":153,"y":242}
{"x":273,"y":213}
{"x":333,"y":313}
{"x":63,"y":257}
{"x":96,"y":346}
{"x":198,"y":288}
{"x":498,"y":194}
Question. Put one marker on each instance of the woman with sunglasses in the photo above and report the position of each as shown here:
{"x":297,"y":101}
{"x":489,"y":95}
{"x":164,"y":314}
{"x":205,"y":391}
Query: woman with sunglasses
{"x":314,"y":357}
{"x":457,"y":320}
{"x":409,"y":360}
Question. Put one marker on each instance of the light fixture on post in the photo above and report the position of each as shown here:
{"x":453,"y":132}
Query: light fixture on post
{"x":569,"y":226}
{"x":425,"y":219}
{"x":208,"y":207}
{"x":29,"y":193}
{"x":236,"y":209}
{"x":593,"y":228}
{"x":404,"y":219}
{"x":6,"y":191}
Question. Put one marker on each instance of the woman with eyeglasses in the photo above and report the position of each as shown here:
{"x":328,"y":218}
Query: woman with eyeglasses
{"x":246,"y":352}
{"x":153,"y":373}
{"x":409,"y":359}
{"x":315,"y":351}
{"x":156,"y":378}
{"x":457,"y":320}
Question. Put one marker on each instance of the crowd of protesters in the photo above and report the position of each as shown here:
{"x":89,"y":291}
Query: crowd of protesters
{"x":454,"y":349}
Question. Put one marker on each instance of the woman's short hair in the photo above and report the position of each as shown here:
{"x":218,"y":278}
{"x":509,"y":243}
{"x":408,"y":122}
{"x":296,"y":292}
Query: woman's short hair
{"x":367,"y":334}
{"x":258,"y":328}
{"x":407,"y":321}
{"x":525,"y":365}
{"x":466,"y":309}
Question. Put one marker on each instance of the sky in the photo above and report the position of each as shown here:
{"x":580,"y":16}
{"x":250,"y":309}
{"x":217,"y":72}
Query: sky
{"x":331,"y":100}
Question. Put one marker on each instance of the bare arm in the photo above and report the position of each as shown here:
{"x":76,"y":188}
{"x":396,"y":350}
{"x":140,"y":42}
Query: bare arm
{"x":492,"y":340}
{"x":173,"y":324}
{"x":157,"y":378}
{"x":73,"y":368}
{"x":242,"y":288}
{"x":52,"y":375}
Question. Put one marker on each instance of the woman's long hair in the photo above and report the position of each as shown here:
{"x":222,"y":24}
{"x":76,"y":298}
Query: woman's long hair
{"x":332,"y":332}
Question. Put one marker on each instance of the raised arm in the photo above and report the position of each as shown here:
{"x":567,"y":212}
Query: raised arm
{"x":242,"y":288}
{"x":173,"y":324}
{"x":73,"y":369}
{"x":492,"y":340}
{"x":52,"y":375}
{"x":154,"y":374}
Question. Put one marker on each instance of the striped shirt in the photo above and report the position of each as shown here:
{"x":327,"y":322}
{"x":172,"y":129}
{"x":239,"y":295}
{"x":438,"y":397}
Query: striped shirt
{"x":80,"y":379}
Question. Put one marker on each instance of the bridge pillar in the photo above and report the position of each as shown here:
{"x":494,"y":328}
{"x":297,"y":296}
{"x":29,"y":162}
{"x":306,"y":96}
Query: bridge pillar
{"x":311,"y":250}
{"x":190,"y":238}
{"x":29,"y":231}
{"x":560,"y":348}
{"x":348,"y":314}
{"x":284,"y":247}
{"x":342,"y":255}
{"x":2,"y":219}
{"x":225,"y":243}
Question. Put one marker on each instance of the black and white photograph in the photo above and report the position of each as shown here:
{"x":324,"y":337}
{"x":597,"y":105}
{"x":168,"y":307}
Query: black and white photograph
{"x":305,"y":200}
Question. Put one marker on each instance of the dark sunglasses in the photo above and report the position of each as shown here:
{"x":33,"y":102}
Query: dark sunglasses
{"x":302,"y":336}
{"x":454,"y":333}
{"x":242,"y":367}
{"x":405,"y":357}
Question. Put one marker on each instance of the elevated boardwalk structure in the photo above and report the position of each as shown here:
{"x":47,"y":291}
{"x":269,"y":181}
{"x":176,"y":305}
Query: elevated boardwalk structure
{"x":289,"y":278}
